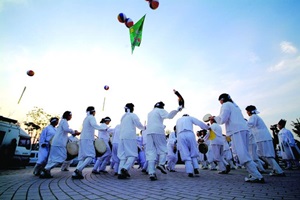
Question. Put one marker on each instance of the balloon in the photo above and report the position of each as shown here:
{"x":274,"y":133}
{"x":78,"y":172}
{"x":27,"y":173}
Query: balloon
{"x":30,"y":73}
{"x":122,"y":17}
{"x":128,"y":22}
{"x":106,"y":87}
{"x":153,"y":4}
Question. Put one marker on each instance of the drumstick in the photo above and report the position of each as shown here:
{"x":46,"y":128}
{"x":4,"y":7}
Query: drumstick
{"x":22,"y":94}
{"x":180,"y":99}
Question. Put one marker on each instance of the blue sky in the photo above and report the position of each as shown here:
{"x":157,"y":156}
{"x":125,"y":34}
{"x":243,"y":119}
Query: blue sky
{"x":202,"y":48}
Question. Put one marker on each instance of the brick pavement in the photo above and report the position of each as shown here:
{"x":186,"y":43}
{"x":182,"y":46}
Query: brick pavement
{"x":21,"y":184}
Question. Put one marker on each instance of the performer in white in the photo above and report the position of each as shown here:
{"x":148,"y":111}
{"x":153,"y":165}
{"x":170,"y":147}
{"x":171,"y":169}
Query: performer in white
{"x":172,"y":156}
{"x":216,"y":146}
{"x":156,"y":139}
{"x":44,"y":145}
{"x":86,"y":143}
{"x":288,"y":146}
{"x":263,"y":139}
{"x":102,"y":161}
{"x":236,"y":128}
{"x":141,"y":160}
{"x":58,"y":151}
{"x":202,"y":157}
{"x":144,"y":145}
{"x":187,"y":144}
{"x":127,"y":149}
{"x":114,"y":153}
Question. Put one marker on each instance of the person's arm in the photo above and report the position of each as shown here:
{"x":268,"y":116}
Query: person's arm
{"x":199,"y":123}
{"x":137,"y":122}
{"x":223,"y":116}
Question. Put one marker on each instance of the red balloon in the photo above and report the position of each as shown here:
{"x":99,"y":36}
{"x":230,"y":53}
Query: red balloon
{"x":30,"y":73}
{"x":154,"y":4}
{"x":129,"y":23}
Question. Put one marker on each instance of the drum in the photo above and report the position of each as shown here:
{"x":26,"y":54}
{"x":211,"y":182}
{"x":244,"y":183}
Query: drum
{"x":100,"y":147}
{"x":206,"y":117}
{"x":203,"y":148}
{"x":72,"y":150}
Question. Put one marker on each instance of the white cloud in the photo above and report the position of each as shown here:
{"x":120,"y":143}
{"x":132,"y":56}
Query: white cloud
{"x":288,"y":47}
{"x":286,"y":64}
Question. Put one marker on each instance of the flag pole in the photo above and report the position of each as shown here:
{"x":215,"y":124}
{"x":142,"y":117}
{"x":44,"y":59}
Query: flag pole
{"x":103,"y":104}
{"x":22,"y":94}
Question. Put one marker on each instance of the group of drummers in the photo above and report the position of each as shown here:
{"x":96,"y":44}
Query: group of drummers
{"x":121,"y":147}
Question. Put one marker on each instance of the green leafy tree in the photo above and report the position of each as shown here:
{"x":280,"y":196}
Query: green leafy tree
{"x":36,"y":120}
{"x":296,"y":126}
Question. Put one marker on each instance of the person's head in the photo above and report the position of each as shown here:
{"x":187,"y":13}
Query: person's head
{"x":129,"y":107}
{"x":212,"y":120}
{"x":67,"y":115}
{"x":223,"y":98}
{"x":281,"y":124}
{"x":54,"y":121}
{"x":250,"y":110}
{"x":159,"y":105}
{"x":105,"y":120}
{"x":91,"y":110}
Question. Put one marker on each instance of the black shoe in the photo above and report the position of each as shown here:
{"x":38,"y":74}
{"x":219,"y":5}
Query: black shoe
{"x":77,"y":175}
{"x":37,"y":169}
{"x":223,"y":172}
{"x":254,"y":180}
{"x":45,"y":174}
{"x":121,"y":176}
{"x":172,"y":170}
{"x":124,"y":172}
{"x":104,"y":171}
{"x":153,"y":177}
{"x":190,"y":175}
{"x":278,"y":175}
{"x":162,"y":168}
{"x":95,"y":172}
{"x":196,"y":171}
{"x":65,"y":170}
{"x":144,"y":170}
{"x":228,"y":168}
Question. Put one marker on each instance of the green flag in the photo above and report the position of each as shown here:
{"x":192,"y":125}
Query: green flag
{"x":136,"y":33}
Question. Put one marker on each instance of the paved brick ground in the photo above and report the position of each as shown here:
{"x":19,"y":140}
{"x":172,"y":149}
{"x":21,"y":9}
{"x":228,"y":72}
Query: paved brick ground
{"x":21,"y":184}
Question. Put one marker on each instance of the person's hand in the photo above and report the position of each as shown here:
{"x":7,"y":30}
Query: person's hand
{"x":179,"y":108}
{"x":76,"y":132}
{"x":212,"y":118}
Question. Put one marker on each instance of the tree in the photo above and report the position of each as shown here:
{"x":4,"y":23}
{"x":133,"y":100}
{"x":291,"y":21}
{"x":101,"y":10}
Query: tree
{"x":36,"y":120}
{"x":296,"y":125}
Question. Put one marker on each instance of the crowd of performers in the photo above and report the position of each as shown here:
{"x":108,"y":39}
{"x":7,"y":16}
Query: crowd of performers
{"x":246,"y":143}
